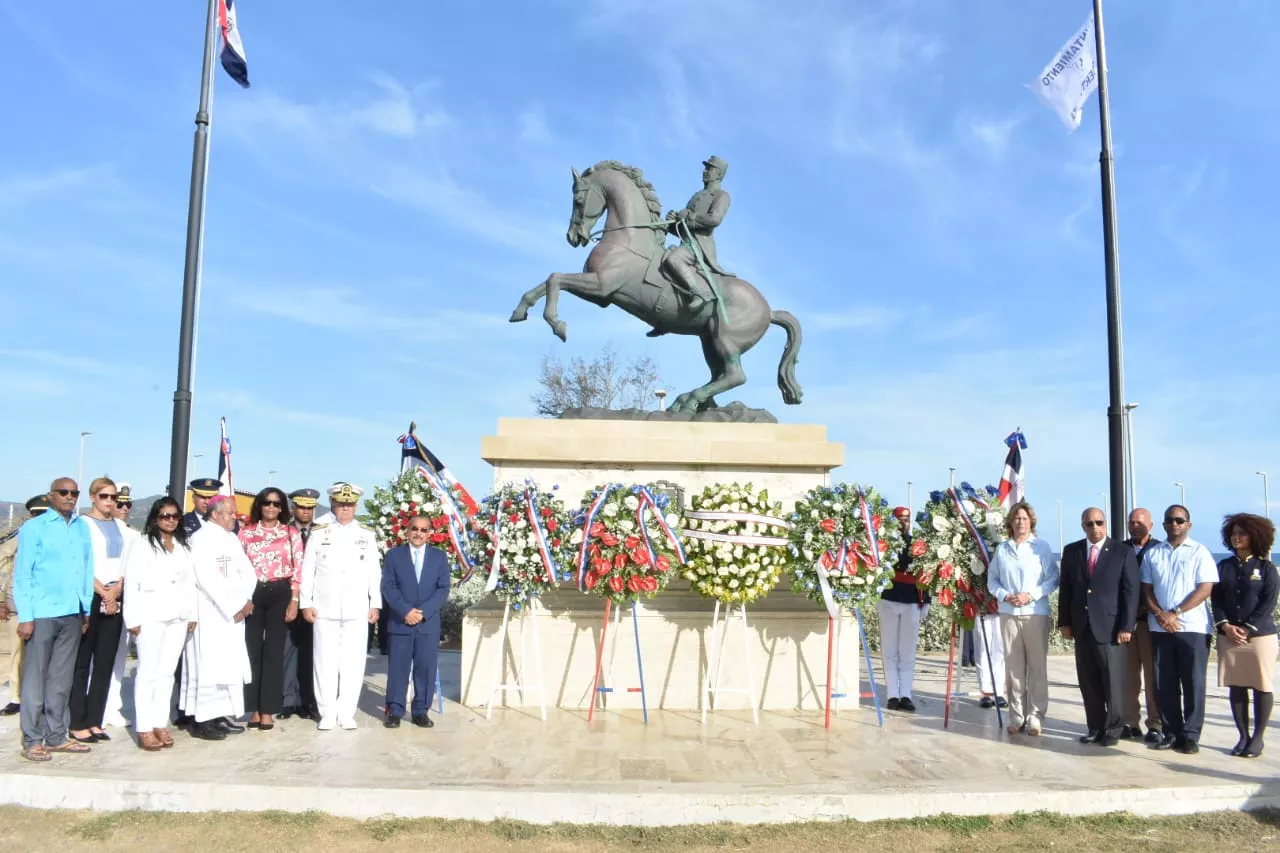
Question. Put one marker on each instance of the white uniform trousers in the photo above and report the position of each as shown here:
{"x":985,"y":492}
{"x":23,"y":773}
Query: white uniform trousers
{"x":115,"y":694}
{"x":899,"y":636}
{"x":159,"y":647}
{"x":340,"y":648}
{"x":986,"y":635}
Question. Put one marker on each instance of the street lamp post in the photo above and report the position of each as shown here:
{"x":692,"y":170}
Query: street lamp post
{"x":270,"y":475}
{"x":1128,"y":437}
{"x":662,"y":397}
{"x":1266,"y":493}
{"x":952,"y":483}
{"x":80,"y":466}
{"x":910,"y":506}
{"x":1183,"y":490}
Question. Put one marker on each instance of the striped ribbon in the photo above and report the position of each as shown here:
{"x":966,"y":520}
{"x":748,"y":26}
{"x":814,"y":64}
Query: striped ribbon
{"x":735,"y":538}
{"x":492,"y":583}
{"x":584,"y":550}
{"x":872,"y":560}
{"x":820,"y":568}
{"x":646,"y":501}
{"x":539,"y":535}
{"x":457,"y":524}
{"x":984,"y":553}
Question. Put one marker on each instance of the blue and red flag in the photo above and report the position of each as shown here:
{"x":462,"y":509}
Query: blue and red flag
{"x":232,"y":53}
{"x":1012,"y":485}
{"x":414,"y":454}
{"x":224,"y":462}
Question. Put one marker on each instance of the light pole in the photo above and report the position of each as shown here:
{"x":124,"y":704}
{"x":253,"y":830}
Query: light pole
{"x":953,"y":477}
{"x":1060,"y":539}
{"x":1128,"y":437}
{"x":662,"y":397}
{"x":270,"y":475}
{"x":1266,"y":493}
{"x":1183,"y":488}
{"x":1106,"y":505}
{"x":909,"y":505}
{"x":80,"y":466}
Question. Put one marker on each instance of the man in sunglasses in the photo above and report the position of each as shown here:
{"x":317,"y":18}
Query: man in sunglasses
{"x":9,"y":609}
{"x":53,"y":590}
{"x":1098,"y":609}
{"x":1177,"y":577}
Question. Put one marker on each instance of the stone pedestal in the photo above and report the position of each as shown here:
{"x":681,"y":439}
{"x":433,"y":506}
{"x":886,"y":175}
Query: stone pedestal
{"x":787,"y":642}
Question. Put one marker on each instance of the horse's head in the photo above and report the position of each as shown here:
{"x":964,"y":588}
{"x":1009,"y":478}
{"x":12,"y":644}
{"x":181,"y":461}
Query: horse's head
{"x":588,"y":206}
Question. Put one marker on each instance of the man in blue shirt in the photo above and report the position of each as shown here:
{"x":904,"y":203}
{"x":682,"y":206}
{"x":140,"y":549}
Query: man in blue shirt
{"x":1177,"y":578}
{"x":52,"y":590}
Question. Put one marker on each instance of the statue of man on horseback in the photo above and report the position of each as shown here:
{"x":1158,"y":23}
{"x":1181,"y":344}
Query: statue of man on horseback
{"x":684,"y":291}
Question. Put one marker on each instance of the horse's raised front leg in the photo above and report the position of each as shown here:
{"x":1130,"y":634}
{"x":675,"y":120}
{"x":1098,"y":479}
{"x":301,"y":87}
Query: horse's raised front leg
{"x":579,"y":284}
{"x":527,"y":301}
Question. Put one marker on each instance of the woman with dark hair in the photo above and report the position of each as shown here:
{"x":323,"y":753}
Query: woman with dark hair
{"x":275,"y":549}
{"x":1244,"y":604}
{"x":159,"y":610}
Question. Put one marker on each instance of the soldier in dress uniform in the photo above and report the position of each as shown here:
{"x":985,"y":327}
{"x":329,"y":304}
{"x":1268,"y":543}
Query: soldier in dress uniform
{"x":902,"y":607}
{"x":697,"y":222}
{"x":299,"y":662}
{"x":341,"y":596}
{"x":9,"y":610}
{"x":201,"y":490}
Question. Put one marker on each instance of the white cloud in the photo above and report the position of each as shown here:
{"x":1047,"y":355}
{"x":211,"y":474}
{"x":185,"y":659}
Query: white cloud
{"x":866,"y":317}
{"x":72,"y":363}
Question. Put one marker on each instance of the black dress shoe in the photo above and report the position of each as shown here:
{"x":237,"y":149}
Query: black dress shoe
{"x":1187,"y":747}
{"x":893,"y":704}
{"x":206,"y":731}
{"x":226,"y":726}
{"x":184,"y":720}
{"x":287,"y":713}
{"x":423,"y":720}
{"x":101,"y":736}
{"x":1253,"y":750}
{"x":1241,"y":746}
{"x":905,"y":704}
{"x":1091,"y":737}
{"x":1107,"y":740}
{"x":10,"y":709}
{"x":1153,"y":737}
{"x":1165,"y":742}
{"x":391,"y":723}
{"x":986,"y":702}
{"x":1001,"y":702}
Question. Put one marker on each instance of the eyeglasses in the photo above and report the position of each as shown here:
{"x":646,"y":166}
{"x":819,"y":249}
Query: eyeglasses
{"x":106,"y":496}
{"x":168,"y":516}
{"x":123,"y":504}
{"x":74,"y":493}
{"x":1175,"y":521}
{"x":1095,"y":524}
{"x":275,"y":504}
{"x":419,"y":529}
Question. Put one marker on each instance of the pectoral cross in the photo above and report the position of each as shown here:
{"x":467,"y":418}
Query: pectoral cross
{"x":223,"y":562}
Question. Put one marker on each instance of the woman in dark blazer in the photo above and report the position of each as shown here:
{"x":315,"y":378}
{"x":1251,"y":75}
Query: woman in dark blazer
{"x":1244,"y":603}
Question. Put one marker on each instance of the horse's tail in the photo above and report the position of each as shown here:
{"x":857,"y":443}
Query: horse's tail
{"x":787,"y":384}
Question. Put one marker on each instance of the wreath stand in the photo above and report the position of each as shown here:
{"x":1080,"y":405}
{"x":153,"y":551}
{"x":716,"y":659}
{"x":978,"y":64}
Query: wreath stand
{"x":979,"y":625}
{"x":715,"y":657}
{"x":528,"y":625}
{"x":835,"y":689}
{"x":600,"y":688}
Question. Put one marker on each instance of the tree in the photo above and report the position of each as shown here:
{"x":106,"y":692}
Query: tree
{"x":603,"y":382}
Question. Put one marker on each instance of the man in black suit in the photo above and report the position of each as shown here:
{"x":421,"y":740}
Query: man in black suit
{"x":1142,"y":662}
{"x":1098,"y":608}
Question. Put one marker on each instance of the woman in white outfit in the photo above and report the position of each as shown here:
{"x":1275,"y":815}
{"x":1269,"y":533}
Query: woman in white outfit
{"x":160,"y":611}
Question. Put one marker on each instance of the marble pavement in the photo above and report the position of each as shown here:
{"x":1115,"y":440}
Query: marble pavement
{"x":675,"y":770}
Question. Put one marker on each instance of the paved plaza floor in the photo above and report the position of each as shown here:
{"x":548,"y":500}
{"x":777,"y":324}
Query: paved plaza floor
{"x":674,"y":770}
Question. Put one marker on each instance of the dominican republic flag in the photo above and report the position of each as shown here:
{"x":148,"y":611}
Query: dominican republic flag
{"x":232,"y":54}
{"x":224,"y":462}
{"x":1012,"y":485}
{"x":414,"y":454}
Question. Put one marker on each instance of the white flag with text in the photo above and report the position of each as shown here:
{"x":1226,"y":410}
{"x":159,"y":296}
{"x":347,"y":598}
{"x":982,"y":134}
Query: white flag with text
{"x":1068,"y":81}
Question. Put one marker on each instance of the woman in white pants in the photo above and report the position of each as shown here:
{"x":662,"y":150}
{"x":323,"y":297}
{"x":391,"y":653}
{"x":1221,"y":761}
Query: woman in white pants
{"x":159,"y":610}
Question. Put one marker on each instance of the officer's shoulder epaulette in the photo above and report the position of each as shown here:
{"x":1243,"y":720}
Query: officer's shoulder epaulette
{"x":319,"y":526}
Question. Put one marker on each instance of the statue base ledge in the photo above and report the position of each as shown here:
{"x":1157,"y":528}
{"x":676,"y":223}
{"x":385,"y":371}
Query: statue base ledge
{"x":735,"y":413}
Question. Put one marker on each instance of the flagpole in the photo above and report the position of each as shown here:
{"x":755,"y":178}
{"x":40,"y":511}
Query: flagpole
{"x":192,"y":269}
{"x":1115,"y":340}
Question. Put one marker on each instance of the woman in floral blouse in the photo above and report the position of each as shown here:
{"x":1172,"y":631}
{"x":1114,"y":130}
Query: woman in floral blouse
{"x":275,"y":550}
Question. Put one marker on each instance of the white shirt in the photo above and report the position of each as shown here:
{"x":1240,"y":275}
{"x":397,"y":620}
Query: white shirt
{"x":1174,"y":573}
{"x":341,"y":572}
{"x":159,"y":585}
{"x":1028,"y":567}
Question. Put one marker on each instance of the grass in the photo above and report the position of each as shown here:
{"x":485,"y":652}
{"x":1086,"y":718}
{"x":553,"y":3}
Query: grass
{"x":311,"y":831}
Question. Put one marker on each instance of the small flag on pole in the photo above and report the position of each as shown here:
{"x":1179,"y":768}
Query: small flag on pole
{"x":224,"y":462}
{"x":1012,"y":484}
{"x":414,"y":454}
{"x":1068,"y":81}
{"x":232,"y":54}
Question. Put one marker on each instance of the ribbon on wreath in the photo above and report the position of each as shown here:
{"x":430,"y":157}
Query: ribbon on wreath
{"x":539,"y":534}
{"x":647,"y":501}
{"x":823,"y":564}
{"x":457,"y":524}
{"x":492,"y":583}
{"x":984,"y":553}
{"x":736,"y":538}
{"x":873,"y":559}
{"x":584,"y":551}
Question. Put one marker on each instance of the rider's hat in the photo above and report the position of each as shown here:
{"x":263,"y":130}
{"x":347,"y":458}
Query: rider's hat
{"x":716,"y":163}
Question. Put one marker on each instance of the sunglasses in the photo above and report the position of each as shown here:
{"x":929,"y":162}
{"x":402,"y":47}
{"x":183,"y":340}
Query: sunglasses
{"x":1175,"y":521}
{"x":73,"y":493}
{"x":1095,"y":524}
{"x":168,"y":516}
{"x":106,"y":496}
{"x":275,"y":504}
{"x":419,"y":529}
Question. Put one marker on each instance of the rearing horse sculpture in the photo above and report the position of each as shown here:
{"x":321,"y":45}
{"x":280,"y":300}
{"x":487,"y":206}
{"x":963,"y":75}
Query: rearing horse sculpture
{"x":624,"y":270}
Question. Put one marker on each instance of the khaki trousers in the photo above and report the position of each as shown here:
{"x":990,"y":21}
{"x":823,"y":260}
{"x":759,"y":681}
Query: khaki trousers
{"x":1141,"y":674}
{"x":1026,"y":663}
{"x":12,"y":647}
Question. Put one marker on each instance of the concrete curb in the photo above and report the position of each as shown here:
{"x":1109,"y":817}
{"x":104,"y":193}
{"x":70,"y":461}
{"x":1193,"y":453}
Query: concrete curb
{"x":636,"y":808}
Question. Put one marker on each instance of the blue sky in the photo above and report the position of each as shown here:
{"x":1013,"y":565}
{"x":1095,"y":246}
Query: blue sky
{"x":399,"y":174}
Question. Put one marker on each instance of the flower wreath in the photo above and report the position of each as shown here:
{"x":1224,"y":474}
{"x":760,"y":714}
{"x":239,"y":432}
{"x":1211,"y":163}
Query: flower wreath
{"x":959,"y":530}
{"x":844,"y":542}
{"x":412,"y":494}
{"x":735,"y":539}
{"x":531,"y":531}
{"x":626,"y":542}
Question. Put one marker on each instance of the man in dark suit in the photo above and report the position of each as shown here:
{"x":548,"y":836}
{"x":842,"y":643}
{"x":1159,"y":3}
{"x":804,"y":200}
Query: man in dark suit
{"x":1142,"y":661}
{"x":1098,"y":608}
{"x":415,"y":585}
